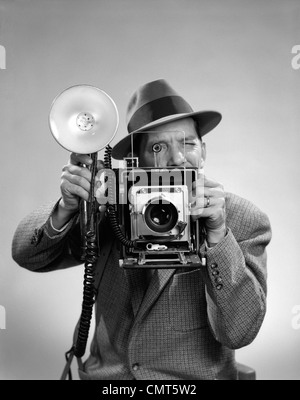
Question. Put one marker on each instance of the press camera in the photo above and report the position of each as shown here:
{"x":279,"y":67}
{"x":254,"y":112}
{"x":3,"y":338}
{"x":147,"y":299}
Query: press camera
{"x":154,"y":216}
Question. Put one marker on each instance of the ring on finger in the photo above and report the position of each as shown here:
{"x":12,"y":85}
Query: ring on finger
{"x":207,"y":202}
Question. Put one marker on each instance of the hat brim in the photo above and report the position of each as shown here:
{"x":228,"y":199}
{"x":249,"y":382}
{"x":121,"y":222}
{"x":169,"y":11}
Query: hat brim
{"x":207,"y":121}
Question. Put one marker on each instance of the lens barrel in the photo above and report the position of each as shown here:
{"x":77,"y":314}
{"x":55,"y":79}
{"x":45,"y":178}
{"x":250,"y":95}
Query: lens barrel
{"x":161,"y":216}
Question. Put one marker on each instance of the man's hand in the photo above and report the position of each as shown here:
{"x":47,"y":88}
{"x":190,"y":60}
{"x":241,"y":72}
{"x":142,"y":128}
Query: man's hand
{"x":75,"y":181}
{"x":75,"y":185}
{"x":208,"y":202}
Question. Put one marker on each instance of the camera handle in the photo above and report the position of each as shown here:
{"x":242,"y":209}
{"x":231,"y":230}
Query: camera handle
{"x":88,"y":226}
{"x":89,"y":229}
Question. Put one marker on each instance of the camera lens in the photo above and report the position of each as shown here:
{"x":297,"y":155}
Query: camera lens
{"x":161,"y":216}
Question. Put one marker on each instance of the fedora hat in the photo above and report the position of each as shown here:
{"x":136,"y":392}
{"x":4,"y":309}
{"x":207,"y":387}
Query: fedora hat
{"x":154,"y":104}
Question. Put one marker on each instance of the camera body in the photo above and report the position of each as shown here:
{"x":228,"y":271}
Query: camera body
{"x":154,"y":215}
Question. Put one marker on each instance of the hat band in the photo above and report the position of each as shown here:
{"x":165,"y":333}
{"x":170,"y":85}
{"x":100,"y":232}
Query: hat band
{"x":156,"y":109}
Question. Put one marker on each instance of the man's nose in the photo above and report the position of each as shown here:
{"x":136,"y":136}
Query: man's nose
{"x":176,"y":157}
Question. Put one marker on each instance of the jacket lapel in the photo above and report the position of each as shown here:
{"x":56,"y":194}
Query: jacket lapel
{"x":144,"y":294}
{"x":137,"y":285}
{"x":157,"y":283}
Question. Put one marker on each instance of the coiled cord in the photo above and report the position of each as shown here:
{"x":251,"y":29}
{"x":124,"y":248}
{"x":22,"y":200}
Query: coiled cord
{"x":88,"y":293}
{"x":107,"y":157}
{"x":112,"y":215}
{"x":112,"y":212}
{"x":91,"y":257}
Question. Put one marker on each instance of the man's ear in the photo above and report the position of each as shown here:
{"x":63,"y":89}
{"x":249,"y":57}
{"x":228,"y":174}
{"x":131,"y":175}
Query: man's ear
{"x":203,"y":154}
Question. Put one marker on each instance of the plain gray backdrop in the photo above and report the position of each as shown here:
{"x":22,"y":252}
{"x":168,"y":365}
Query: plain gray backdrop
{"x":234,"y":56}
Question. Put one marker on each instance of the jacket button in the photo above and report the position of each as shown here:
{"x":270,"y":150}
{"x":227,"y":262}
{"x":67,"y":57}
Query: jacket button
{"x":213,"y":265}
{"x":218,"y":280}
{"x":215,"y":272}
{"x":135,"y":367}
{"x":218,"y":287}
{"x":33,"y":239}
{"x":37,"y":236}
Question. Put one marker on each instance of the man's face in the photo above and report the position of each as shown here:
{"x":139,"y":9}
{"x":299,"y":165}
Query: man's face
{"x":179,"y":143}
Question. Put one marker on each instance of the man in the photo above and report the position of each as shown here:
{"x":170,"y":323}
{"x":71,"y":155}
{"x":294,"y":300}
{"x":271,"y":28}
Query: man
{"x":171,"y":323}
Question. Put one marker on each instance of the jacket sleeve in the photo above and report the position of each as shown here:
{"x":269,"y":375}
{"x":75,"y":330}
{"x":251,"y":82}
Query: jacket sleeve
{"x":37,"y":247}
{"x":236,"y":276}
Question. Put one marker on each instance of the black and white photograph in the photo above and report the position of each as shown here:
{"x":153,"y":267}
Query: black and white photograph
{"x":149,"y":192}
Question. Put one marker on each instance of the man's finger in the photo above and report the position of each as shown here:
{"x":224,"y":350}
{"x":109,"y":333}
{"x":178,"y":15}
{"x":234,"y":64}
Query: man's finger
{"x":211,"y":183}
{"x":77,"y":159}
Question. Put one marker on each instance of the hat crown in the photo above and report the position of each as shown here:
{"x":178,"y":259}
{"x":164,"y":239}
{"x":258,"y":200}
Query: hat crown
{"x":152,"y":101}
{"x":154,"y":104}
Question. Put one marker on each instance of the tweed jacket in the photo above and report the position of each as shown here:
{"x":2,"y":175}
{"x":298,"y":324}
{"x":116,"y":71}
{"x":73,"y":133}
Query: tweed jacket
{"x":180,"y":325}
